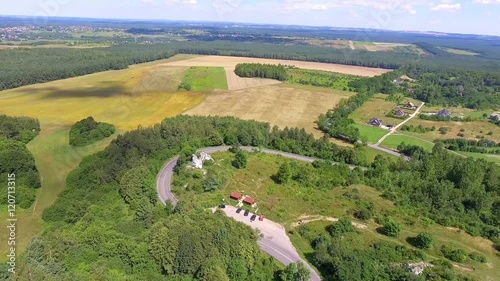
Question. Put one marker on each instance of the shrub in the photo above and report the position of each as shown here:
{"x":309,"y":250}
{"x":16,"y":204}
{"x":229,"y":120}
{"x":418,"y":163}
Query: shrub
{"x":240,"y":160}
{"x":443,"y":130}
{"x":423,"y":240}
{"x":392,"y":228}
{"x":478,"y":257}
{"x":363,"y":214}
{"x":340,"y":228}
{"x":456,"y":255}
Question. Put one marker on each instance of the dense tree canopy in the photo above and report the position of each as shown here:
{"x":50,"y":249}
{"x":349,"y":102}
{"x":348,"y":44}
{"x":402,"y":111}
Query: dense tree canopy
{"x":22,"y":129}
{"x":15,"y":158}
{"x":88,"y":131}
{"x":277,"y":72}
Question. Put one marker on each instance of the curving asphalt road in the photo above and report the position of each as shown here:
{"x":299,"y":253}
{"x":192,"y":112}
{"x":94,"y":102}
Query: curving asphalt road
{"x":165,"y":176}
{"x":274,"y":240}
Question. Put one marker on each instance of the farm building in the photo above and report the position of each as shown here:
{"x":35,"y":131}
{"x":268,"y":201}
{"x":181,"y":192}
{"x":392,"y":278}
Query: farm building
{"x":249,"y":200}
{"x":410,"y":105}
{"x":495,"y":116}
{"x":236,"y":195}
{"x":400,"y":113}
{"x":443,"y":113}
{"x":375,"y":122}
{"x":404,"y":78}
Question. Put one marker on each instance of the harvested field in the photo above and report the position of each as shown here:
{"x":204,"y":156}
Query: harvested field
{"x":231,"y":62}
{"x":281,"y":105}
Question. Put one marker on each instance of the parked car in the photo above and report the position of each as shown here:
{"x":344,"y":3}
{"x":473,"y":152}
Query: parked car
{"x":222,"y":206}
{"x":247,"y":212}
{"x":253,"y":217}
{"x":238,"y":210}
{"x":261,"y":218}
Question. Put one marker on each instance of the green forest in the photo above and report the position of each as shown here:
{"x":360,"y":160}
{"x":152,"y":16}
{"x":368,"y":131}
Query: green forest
{"x":109,"y":224}
{"x":108,"y":221}
{"x":88,"y":131}
{"x":15,"y":158}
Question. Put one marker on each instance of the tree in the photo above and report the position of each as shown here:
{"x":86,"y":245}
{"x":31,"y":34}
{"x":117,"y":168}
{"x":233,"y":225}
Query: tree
{"x":213,"y":182}
{"x":295,"y":272}
{"x":284,"y":174}
{"x":240,"y":160}
{"x":423,"y":240}
{"x":392,"y":228}
{"x":340,"y":228}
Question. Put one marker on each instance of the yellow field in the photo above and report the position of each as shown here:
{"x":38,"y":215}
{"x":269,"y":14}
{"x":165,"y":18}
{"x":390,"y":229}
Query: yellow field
{"x":281,"y":105}
{"x":140,"y":95}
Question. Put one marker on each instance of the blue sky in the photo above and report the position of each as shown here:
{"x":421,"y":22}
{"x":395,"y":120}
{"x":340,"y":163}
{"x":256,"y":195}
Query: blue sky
{"x":467,"y":16}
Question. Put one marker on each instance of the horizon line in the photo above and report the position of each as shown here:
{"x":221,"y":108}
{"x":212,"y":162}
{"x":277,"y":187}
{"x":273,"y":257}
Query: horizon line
{"x":429,"y":32}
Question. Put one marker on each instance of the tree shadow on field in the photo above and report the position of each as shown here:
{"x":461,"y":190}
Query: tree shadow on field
{"x":412,"y":241}
{"x":83,"y":92}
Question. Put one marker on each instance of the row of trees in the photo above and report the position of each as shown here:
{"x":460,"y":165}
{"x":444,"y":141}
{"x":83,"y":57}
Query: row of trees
{"x":479,"y":146}
{"x":336,"y":122}
{"x":271,"y":71}
{"x":417,"y":129}
{"x":88,"y":131}
{"x":433,"y":117}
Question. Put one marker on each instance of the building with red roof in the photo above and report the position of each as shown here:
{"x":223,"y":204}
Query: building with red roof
{"x":236,"y":195}
{"x":249,"y":200}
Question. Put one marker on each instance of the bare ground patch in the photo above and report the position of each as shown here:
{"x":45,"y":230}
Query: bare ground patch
{"x":279,"y":105}
{"x":231,"y":62}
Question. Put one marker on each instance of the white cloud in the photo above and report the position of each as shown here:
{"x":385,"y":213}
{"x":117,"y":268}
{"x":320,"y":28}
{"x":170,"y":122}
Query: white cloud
{"x":447,"y":7}
{"x":407,"y":6}
{"x":487,"y":1}
{"x":188,"y":2}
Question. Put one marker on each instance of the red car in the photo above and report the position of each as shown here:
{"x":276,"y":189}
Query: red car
{"x":261,"y":218}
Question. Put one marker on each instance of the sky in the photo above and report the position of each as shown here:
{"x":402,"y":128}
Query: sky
{"x":454,"y":16}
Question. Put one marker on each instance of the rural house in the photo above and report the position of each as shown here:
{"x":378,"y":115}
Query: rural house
{"x":400,"y":113}
{"x":410,"y":105}
{"x":495,"y":116}
{"x":375,"y":122}
{"x":443,"y":113}
{"x":400,"y":80}
{"x":236,"y":195}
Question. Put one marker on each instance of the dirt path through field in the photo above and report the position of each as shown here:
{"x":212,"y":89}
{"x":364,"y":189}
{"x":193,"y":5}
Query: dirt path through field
{"x":308,"y":219}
